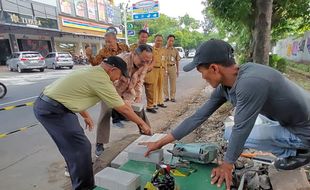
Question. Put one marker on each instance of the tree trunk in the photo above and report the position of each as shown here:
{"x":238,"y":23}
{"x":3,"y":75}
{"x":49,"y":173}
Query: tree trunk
{"x":262,"y":31}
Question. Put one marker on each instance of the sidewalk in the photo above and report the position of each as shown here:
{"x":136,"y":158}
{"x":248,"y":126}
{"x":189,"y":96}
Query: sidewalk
{"x":3,"y":68}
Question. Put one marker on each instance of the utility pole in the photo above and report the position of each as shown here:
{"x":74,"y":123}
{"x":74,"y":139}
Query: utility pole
{"x":125,"y":22}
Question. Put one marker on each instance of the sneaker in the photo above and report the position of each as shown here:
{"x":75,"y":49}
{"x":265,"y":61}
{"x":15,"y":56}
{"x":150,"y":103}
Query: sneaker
{"x":166,"y":100}
{"x":99,"y":149}
{"x":67,"y":174}
{"x":293,"y":162}
{"x":173,"y":100}
{"x":156,"y":107}
{"x":118,"y":125}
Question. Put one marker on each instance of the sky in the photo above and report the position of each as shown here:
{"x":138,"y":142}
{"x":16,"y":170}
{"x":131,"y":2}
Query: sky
{"x":176,"y":8}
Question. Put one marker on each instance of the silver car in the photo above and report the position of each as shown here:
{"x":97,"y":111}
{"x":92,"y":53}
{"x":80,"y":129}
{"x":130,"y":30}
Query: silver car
{"x":55,"y":60}
{"x":26,"y":60}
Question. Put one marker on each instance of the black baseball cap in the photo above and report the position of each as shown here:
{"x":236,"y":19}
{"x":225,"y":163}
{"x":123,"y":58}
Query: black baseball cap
{"x":211,"y":51}
{"x":118,"y":62}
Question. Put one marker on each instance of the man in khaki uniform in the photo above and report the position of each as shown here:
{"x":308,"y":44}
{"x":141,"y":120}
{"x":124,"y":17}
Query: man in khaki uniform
{"x":142,"y":39}
{"x":172,"y":58}
{"x":153,"y":81}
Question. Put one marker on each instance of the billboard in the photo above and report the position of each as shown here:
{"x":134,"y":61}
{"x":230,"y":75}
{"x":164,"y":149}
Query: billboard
{"x":65,"y":6}
{"x":101,"y":10}
{"x":145,"y":6}
{"x":80,"y":8}
{"x":91,"y":9}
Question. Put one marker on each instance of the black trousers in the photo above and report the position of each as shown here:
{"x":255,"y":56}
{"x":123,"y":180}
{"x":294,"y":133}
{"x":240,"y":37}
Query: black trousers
{"x":117,"y":117}
{"x":64,"y":128}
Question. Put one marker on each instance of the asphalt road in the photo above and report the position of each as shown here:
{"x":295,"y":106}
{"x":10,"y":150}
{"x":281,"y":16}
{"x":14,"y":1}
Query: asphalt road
{"x":27,"y":157}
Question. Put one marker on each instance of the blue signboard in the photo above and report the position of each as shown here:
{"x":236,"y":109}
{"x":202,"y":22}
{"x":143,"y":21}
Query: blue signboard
{"x":144,"y":16}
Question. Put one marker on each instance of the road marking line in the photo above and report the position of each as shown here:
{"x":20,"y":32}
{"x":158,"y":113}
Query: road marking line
{"x":19,"y":100}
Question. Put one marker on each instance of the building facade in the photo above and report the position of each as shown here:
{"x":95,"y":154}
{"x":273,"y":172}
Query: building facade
{"x":26,"y":25}
{"x":85,"y":22}
{"x":56,"y":25}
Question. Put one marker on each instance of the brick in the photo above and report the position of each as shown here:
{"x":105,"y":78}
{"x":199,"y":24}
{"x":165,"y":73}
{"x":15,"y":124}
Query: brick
{"x":288,"y":179}
{"x":120,"y":160}
{"x":137,"y":153}
{"x":109,"y":178}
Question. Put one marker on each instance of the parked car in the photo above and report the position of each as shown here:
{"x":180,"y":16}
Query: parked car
{"x":55,"y":60}
{"x":191,"y":53}
{"x":26,"y":60}
{"x":181,"y":51}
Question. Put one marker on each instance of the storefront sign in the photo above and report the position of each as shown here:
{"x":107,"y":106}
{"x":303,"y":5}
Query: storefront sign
{"x":80,"y":24}
{"x":15,"y":18}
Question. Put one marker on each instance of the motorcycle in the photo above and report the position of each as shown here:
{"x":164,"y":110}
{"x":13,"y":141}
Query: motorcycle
{"x":3,"y":90}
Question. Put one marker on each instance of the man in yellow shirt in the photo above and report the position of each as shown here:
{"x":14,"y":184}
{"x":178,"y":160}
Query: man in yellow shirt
{"x":154,"y":79}
{"x":75,"y":93}
{"x":142,"y":39}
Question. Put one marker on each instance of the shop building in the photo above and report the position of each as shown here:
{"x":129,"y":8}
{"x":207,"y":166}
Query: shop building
{"x":26,"y":25}
{"x":84,"y":22}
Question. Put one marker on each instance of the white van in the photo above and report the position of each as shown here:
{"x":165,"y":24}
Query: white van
{"x":181,"y":51}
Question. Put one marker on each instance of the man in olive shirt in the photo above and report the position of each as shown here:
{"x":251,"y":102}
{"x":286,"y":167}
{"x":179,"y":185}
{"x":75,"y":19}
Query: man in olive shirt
{"x":75,"y":93}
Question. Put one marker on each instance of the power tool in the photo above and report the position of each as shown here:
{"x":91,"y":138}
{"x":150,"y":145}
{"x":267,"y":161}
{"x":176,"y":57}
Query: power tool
{"x":202,"y":153}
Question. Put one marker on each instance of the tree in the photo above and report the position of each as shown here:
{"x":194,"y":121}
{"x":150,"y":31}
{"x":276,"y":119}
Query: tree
{"x":236,"y":19}
{"x":186,"y":36}
{"x":261,"y":33}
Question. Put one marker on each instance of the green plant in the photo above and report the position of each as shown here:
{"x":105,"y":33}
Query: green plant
{"x":277,"y":62}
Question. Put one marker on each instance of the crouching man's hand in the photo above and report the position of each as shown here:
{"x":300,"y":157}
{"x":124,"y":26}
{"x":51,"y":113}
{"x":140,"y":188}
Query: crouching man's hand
{"x":221,"y":173}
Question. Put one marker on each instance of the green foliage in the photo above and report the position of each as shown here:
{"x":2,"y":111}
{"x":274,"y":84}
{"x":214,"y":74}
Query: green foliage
{"x":278,"y":63}
{"x":302,"y":67}
{"x":235,"y":19}
{"x":186,"y":36}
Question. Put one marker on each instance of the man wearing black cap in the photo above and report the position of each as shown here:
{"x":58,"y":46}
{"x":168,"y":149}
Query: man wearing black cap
{"x":253,"y":89}
{"x":75,"y":93}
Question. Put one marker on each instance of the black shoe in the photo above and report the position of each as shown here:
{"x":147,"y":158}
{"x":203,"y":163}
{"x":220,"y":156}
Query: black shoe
{"x":99,"y":149}
{"x":155,"y":107}
{"x":161,"y":105}
{"x":151,"y":110}
{"x":173,"y":100}
{"x":292,"y":162}
{"x":166,"y":100}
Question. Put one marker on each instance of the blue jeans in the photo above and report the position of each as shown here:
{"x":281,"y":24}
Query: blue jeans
{"x":270,"y":136}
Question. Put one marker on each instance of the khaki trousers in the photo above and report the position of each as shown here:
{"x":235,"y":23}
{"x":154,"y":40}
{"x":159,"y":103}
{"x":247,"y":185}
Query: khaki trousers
{"x":158,"y":85}
{"x":172,"y":77}
{"x":149,"y":92}
{"x":104,"y":123}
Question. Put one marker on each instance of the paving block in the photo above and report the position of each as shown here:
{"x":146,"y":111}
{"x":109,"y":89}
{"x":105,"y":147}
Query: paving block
{"x":137,"y":153}
{"x":142,"y":138}
{"x":115,"y":179}
{"x":120,"y":160}
{"x":156,"y":137}
{"x":288,"y":179}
